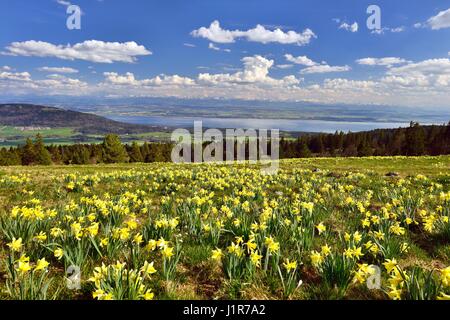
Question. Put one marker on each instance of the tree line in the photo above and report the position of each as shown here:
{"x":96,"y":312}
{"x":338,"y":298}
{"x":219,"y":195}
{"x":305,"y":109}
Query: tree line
{"x":112,"y":150}
{"x":415,"y":140}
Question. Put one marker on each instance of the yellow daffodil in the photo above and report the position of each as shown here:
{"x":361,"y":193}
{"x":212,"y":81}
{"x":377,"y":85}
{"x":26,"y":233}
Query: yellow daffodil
{"x":321,"y":228}
{"x":445,"y":277}
{"x":390,"y":265}
{"x":316,"y":258}
{"x":167,"y":252}
{"x":148,"y":268}
{"x":290,"y":265}
{"x":58,"y":253}
{"x":41,"y":264}
{"x":148,"y":295}
{"x":217,"y":254}
{"x":326,"y":250}
{"x":255,"y":258}
{"x":15,"y":245}
{"x":23,"y":267}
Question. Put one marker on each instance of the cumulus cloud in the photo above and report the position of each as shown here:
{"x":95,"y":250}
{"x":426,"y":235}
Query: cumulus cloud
{"x":302,"y":60}
{"x":349,"y":27}
{"x":256,"y":71}
{"x":260,"y":34}
{"x":91,"y":50}
{"x":440,"y":21}
{"x":426,"y":67}
{"x":387,"y":61}
{"x":339,"y":84}
{"x":408,"y":84}
{"x":22,"y":83}
{"x":58,"y":80}
{"x":432,"y":72}
{"x":315,"y":67}
{"x":129,"y":79}
{"x":15,"y":76}
{"x":324,"y":68}
{"x":58,"y":69}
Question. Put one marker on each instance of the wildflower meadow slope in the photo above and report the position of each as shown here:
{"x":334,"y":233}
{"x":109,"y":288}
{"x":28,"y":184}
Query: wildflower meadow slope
{"x":329,"y":228}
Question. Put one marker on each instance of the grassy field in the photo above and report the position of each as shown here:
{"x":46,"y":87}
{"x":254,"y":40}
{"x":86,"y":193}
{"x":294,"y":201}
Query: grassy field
{"x":6,"y":132}
{"x":318,"y":229}
{"x":11,"y":136}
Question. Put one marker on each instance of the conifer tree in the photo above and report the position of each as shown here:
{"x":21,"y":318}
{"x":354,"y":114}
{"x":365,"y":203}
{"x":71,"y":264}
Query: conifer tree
{"x":135,"y":153}
{"x":43,"y":157}
{"x":113,"y":150}
{"x":28,"y":153}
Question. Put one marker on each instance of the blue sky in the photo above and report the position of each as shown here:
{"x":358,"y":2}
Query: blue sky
{"x":332,"y":60}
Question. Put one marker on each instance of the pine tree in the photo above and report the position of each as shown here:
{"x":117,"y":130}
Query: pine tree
{"x":145,"y":150}
{"x":415,"y":140}
{"x":28,"y":153}
{"x":43,"y":157}
{"x":81,"y":154}
{"x":113,"y":150}
{"x":304,"y":151}
{"x":316,"y":144}
{"x":135,"y":153}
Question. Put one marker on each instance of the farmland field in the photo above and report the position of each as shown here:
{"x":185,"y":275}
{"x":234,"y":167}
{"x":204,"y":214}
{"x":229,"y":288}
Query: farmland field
{"x":12,"y":136}
{"x":320,"y":228}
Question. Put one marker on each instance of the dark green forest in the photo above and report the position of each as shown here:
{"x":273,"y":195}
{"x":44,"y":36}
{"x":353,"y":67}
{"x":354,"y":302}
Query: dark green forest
{"x":416,"y":140}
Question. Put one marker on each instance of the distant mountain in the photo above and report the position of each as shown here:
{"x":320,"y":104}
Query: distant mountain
{"x":30,"y":115}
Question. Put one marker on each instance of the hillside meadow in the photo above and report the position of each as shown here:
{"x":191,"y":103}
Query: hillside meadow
{"x":321,"y":228}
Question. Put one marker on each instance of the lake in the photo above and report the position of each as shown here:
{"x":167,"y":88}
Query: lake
{"x":282,"y":124}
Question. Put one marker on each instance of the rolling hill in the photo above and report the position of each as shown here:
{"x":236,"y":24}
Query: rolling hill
{"x":29,"y":115}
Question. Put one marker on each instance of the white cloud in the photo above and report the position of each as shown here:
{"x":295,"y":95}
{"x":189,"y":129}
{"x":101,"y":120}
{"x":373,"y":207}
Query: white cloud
{"x":315,"y":67}
{"x":324,"y":68}
{"x":409,"y":84}
{"x":302,"y":60}
{"x":6,"y":68}
{"x":213,"y":47}
{"x":216,"y":48}
{"x":256,"y":71}
{"x":386,"y":29}
{"x":190,"y":45}
{"x":398,"y":29}
{"x":349,"y":27}
{"x":260,"y":34}
{"x":58,"y":80}
{"x":440,"y":21}
{"x":58,"y":69}
{"x":91,"y":50}
{"x":129,"y":79}
{"x":387,"y":61}
{"x":427,"y":73}
{"x":67,"y":4}
{"x":339,"y":84}
{"x":15,"y":76}
{"x":284,"y":66}
{"x":64,"y":3}
{"x":426,"y":67}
